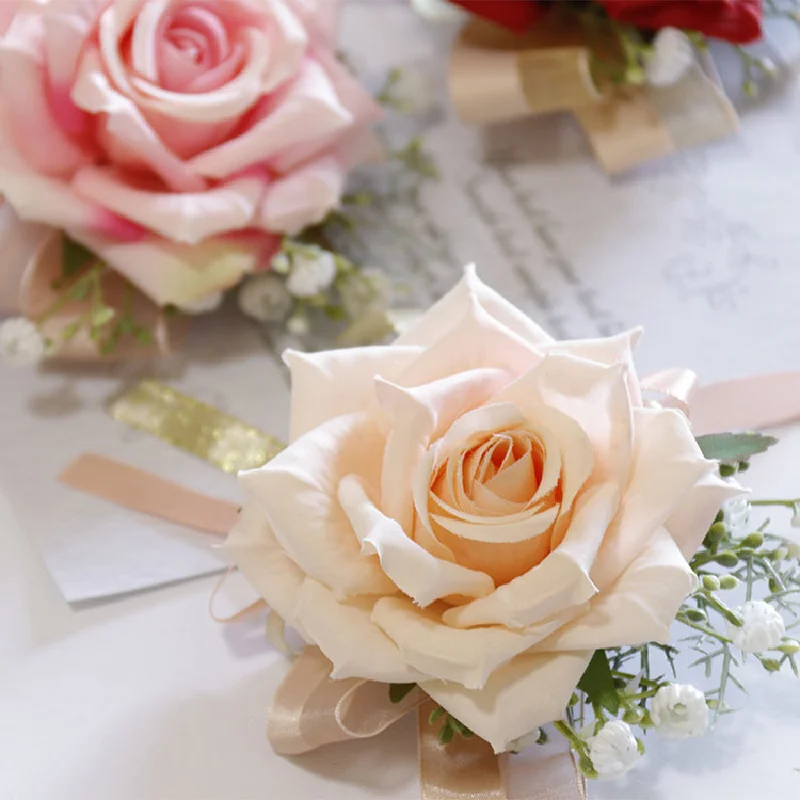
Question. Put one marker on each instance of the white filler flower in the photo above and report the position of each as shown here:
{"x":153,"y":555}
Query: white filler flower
{"x":736,"y":515}
{"x":21,"y":343}
{"x":264,"y":298}
{"x":679,"y":711}
{"x":312,"y":271}
{"x":671,"y":57}
{"x":763,"y":628}
{"x":438,"y":10}
{"x":614,"y":750}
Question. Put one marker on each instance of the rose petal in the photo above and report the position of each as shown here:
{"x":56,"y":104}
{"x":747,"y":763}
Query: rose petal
{"x":559,"y":582}
{"x":475,"y":341}
{"x":230,"y":100}
{"x":513,"y":702}
{"x":413,"y":569}
{"x":19,"y":244}
{"x":346,"y":635}
{"x":593,"y":395}
{"x":252,"y":546}
{"x":417,"y":415}
{"x":303,"y":198}
{"x":443,"y":316}
{"x":23,"y":81}
{"x":298,"y":491}
{"x":667,"y":463}
{"x":467,"y":657}
{"x":179,"y":274}
{"x":639,"y":607}
{"x":181,"y":216}
{"x":361,"y":106}
{"x":608,"y":350}
{"x":129,"y":137}
{"x":309,"y":103}
{"x":690,"y":521}
{"x":344,"y":378}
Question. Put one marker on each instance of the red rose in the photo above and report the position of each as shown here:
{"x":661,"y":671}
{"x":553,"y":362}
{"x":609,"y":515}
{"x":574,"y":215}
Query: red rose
{"x":736,"y":21}
{"x":516,"y":15}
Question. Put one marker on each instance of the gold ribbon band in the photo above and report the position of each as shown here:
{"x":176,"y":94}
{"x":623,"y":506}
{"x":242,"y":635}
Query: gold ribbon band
{"x":200,"y":429}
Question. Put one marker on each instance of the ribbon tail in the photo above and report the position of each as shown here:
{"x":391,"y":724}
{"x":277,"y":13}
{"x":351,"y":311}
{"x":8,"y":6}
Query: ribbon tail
{"x":310,"y":709}
{"x":464,"y":769}
{"x":142,"y":491}
{"x":763,"y":401}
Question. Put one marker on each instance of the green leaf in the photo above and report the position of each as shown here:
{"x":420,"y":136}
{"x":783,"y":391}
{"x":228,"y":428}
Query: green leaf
{"x":447,"y":733}
{"x":102,"y":316}
{"x":80,"y":289}
{"x":69,"y":331}
{"x":143,"y":336}
{"x":598,"y":683}
{"x":435,"y":714}
{"x":731,"y":448}
{"x":398,"y":691}
{"x":74,"y":257}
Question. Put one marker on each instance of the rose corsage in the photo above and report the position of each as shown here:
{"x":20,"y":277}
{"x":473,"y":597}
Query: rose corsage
{"x":155,"y":154}
{"x":515,"y":537}
{"x":637,"y":75}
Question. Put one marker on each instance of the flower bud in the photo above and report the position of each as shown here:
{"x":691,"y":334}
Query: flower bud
{"x":780,"y":553}
{"x":727,"y":470}
{"x":789,"y":647}
{"x":754,"y":539}
{"x":728,"y":582}
{"x":771,"y":664}
{"x":727,"y":559}
{"x":793,"y":549}
{"x":711,"y":583}
{"x":696,"y":615}
{"x":633,"y":716}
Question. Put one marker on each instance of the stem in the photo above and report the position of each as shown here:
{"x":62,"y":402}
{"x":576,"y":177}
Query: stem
{"x":569,"y":734}
{"x":726,"y":666}
{"x":749,"y":595}
{"x":707,"y":631}
{"x":780,"y":503}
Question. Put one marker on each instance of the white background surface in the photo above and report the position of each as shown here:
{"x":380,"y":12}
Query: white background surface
{"x":147,"y":699}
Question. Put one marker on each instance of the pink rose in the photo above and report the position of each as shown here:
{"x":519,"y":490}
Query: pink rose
{"x":477,"y":508}
{"x":179,"y":139}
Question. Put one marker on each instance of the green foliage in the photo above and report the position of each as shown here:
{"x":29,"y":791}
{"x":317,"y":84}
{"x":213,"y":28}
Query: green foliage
{"x":598,"y":683}
{"x":399,"y":691}
{"x":733,"y":448}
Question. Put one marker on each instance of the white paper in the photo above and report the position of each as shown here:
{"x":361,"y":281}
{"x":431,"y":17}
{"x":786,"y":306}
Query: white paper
{"x":703,"y":249}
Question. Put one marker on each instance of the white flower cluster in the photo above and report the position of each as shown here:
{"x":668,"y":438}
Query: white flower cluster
{"x":670,"y":58}
{"x":679,"y":711}
{"x":614,"y":750}
{"x":21,"y":342}
{"x":763,"y":628}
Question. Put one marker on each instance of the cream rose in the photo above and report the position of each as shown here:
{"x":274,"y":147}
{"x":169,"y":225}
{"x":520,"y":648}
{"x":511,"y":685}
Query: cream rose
{"x":179,"y":139}
{"x":477,"y":508}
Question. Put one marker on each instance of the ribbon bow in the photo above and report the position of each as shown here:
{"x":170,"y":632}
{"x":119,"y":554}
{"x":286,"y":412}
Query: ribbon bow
{"x":496,"y":76}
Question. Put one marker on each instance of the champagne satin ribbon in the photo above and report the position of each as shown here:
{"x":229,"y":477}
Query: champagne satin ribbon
{"x":496,"y":76}
{"x":310,"y":709}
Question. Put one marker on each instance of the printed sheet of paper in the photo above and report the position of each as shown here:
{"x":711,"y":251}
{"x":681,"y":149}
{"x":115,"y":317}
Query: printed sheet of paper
{"x":703,"y":249}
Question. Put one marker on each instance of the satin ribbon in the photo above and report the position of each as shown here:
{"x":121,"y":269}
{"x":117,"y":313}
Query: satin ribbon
{"x":495,"y":76}
{"x":310,"y":709}
{"x":35,"y":295}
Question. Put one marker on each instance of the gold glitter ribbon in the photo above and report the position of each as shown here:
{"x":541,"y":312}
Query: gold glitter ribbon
{"x":196,"y":427}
